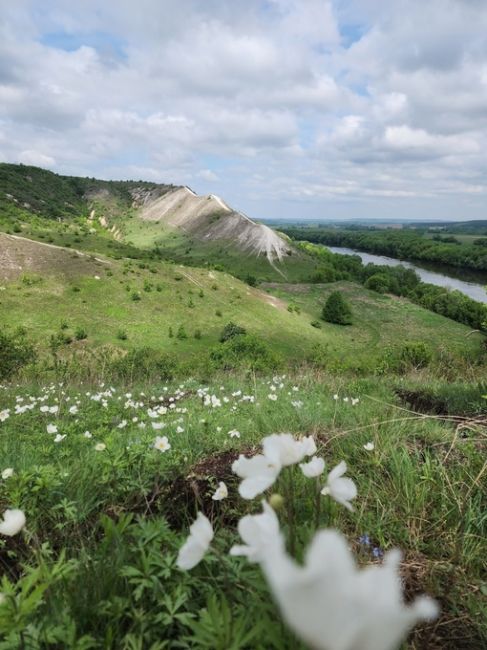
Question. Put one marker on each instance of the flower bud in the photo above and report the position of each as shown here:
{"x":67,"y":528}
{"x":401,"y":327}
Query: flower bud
{"x":276,"y":501}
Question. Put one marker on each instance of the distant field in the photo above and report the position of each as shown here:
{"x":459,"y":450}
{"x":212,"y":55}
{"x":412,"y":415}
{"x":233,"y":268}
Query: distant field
{"x":378,"y":321}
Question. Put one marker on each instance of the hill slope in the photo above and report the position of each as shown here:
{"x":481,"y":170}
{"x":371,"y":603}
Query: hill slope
{"x":211,"y":219}
{"x":124,"y":208}
{"x":49,"y":290}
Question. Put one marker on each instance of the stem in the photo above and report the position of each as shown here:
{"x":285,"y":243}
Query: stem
{"x":317,"y":503}
{"x":291,"y":512}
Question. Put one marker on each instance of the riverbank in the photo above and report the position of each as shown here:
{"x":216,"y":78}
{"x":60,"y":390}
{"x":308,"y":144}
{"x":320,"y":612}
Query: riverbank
{"x":473,"y":290}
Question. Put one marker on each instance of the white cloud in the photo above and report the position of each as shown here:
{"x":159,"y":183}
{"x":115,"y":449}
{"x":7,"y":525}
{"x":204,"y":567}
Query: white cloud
{"x":30,"y":157}
{"x":316,"y":108}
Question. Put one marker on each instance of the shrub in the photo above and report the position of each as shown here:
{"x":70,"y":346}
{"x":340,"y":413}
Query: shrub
{"x":181,"y":333}
{"x":410,"y":355}
{"x":316,"y":323}
{"x":251,"y":280}
{"x":378,"y":282}
{"x":143,"y":363}
{"x":231,"y":330}
{"x":197,"y":334}
{"x":122,"y":335}
{"x":80,"y":334}
{"x":15,"y":353}
{"x":218,"y":313}
{"x":337,"y":310}
{"x":246,"y":350}
{"x":135,"y":296}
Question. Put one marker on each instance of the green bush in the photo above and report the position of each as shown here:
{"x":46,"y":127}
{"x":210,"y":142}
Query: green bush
{"x":80,"y":334}
{"x":231,"y":330}
{"x":410,"y":355}
{"x":337,"y":309}
{"x":142,"y":364}
{"x":15,"y":353}
{"x":247,"y":351}
{"x":181,"y":333}
{"x":378,"y":282}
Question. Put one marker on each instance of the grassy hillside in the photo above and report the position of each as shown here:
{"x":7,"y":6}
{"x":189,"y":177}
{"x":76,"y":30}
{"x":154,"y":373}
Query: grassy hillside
{"x":107,"y":512}
{"x":31,"y":190}
{"x":58,"y":287}
{"x":54,"y":291}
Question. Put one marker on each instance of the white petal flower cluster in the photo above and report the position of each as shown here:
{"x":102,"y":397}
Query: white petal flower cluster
{"x":261,"y":471}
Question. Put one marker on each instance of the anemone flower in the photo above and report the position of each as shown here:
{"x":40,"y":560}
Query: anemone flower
{"x":260,"y":534}
{"x":315,"y":467}
{"x":192,"y":551}
{"x":13,"y":522}
{"x":343,"y":490}
{"x":333,"y":605}
{"x":221,"y":492}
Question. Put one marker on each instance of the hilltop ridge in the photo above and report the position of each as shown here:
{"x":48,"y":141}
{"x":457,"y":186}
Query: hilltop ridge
{"x":28,"y":190}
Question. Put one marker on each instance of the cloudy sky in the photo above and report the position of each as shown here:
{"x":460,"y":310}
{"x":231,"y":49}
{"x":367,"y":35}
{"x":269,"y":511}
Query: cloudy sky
{"x":286,"y":108}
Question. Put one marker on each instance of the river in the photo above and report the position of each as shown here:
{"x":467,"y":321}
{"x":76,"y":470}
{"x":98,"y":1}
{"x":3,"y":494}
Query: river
{"x":470,"y":287}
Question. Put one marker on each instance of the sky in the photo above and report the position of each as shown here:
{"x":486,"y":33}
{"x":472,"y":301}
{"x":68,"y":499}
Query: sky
{"x":302,"y":109}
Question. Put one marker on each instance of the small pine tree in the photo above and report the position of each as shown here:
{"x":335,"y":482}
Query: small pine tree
{"x":337,"y":310}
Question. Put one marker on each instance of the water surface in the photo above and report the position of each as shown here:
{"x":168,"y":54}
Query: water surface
{"x":470,"y":283}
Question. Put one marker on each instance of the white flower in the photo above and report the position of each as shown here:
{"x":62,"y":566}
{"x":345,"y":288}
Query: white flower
{"x":162,"y":444}
{"x":158,"y":425}
{"x":258,"y":474}
{"x":369,"y":446}
{"x":59,"y":437}
{"x":355,"y":401}
{"x":234,"y":433}
{"x":51,"y":428}
{"x":343,"y":490}
{"x":332,"y":605}
{"x":221,"y":492}
{"x":122,"y":424}
{"x":4,"y":415}
{"x":87,"y":434}
{"x":7,"y":473}
{"x":345,"y":399}
{"x":272,"y":397}
{"x":196,"y":545}
{"x":44,"y":409}
{"x":314,"y":468}
{"x":73,"y":409}
{"x":100,"y":446}
{"x":284,"y":449}
{"x":260,"y":533}
{"x":179,"y":430}
{"x":53,"y":409}
{"x":335,"y":396}
{"x":13,"y":522}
